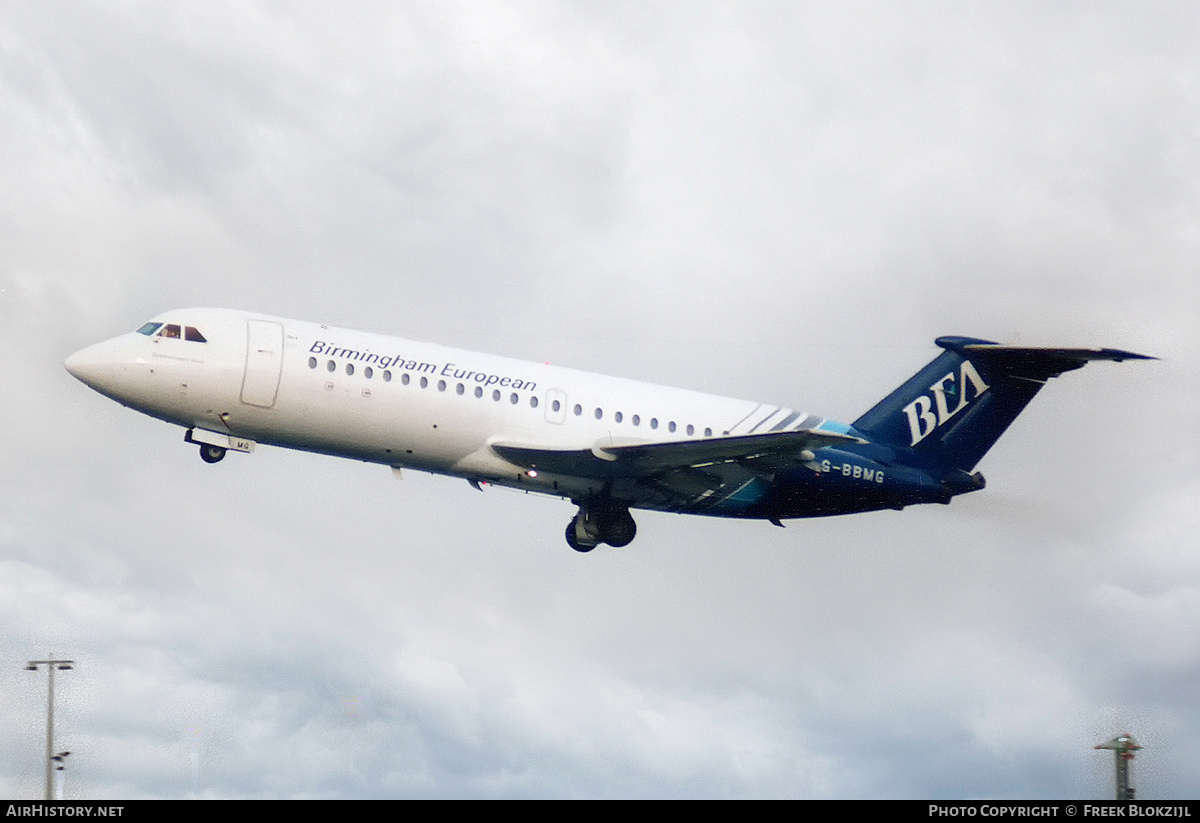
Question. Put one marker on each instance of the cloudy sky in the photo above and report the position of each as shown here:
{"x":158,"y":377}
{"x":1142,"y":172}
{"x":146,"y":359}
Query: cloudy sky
{"x":780,"y":201}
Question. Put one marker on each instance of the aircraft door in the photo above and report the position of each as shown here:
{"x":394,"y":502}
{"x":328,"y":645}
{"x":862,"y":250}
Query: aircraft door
{"x":556,"y":406}
{"x":264,"y":361}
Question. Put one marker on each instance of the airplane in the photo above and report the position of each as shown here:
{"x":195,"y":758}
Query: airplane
{"x":236,"y":379}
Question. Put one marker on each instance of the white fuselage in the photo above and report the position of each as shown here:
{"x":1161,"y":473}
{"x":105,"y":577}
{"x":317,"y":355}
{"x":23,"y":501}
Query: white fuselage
{"x":235,"y":378}
{"x":395,"y":401}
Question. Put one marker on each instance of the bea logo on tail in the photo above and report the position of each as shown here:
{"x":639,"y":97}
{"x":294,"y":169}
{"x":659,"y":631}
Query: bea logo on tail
{"x":920,"y":413}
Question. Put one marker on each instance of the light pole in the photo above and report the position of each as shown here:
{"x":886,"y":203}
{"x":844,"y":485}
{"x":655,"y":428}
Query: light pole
{"x":1123,"y":746}
{"x":51,"y":757}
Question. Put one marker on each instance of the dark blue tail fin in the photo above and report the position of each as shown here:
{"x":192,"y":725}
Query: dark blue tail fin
{"x":954,"y":409}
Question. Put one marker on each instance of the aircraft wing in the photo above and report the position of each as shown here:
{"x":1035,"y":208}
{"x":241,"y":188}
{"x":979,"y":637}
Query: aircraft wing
{"x":682,"y":475}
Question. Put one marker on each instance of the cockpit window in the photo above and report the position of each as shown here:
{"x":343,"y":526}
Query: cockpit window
{"x":174,"y":331}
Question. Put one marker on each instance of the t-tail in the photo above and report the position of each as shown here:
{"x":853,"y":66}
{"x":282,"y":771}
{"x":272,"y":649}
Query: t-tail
{"x":953,"y":410}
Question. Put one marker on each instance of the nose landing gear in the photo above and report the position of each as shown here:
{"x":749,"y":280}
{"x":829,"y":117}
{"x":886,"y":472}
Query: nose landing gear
{"x":211,"y":454}
{"x":213,"y":446}
{"x":600,"y":522}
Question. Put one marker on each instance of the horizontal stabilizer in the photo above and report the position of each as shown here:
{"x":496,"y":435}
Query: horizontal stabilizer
{"x":1031,"y":362}
{"x":1116,"y":355}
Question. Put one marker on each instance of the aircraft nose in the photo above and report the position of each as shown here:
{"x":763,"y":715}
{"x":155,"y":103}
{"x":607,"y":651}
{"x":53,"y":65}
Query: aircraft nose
{"x":90,"y":366}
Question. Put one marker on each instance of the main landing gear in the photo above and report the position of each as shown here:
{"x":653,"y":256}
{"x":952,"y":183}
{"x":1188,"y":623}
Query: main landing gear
{"x":600,"y":522}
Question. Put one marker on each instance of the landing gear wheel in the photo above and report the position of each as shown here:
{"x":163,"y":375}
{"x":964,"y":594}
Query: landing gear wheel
{"x":619,"y":530}
{"x":600,"y":522}
{"x":574,"y":543}
{"x":211,"y":454}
